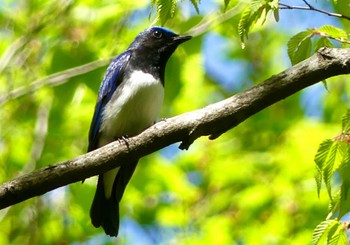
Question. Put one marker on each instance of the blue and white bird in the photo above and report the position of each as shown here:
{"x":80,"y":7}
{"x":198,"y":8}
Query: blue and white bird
{"x":129,"y":100}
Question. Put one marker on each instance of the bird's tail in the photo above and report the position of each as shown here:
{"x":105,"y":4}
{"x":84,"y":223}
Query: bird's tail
{"x":105,"y":211}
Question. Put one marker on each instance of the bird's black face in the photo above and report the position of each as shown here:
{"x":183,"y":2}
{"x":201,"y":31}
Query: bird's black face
{"x":159,"y":40}
{"x":153,"y":47}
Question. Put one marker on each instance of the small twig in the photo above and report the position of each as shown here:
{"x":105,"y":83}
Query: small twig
{"x":53,"y":79}
{"x":312,"y":8}
{"x":39,"y":136}
{"x":11,"y":51}
{"x":308,"y":4}
{"x":214,"y":19}
{"x":338,"y":40}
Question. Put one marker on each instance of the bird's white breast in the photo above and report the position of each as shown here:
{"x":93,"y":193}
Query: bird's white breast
{"x":134,"y":108}
{"x":129,"y":112}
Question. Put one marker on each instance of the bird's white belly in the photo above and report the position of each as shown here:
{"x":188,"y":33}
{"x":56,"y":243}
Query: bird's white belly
{"x":129,"y":112}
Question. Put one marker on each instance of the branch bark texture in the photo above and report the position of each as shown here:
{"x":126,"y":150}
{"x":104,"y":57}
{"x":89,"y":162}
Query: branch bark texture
{"x":211,"y":121}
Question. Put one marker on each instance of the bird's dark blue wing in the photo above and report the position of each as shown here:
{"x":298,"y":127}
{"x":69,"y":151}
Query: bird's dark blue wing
{"x":110,"y":82}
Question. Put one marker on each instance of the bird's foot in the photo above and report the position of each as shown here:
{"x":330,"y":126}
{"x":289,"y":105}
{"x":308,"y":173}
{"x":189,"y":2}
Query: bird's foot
{"x":160,"y":120}
{"x":124,"y":140}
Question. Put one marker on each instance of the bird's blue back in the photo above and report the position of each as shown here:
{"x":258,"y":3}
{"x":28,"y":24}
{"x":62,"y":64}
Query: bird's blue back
{"x":110,"y":82}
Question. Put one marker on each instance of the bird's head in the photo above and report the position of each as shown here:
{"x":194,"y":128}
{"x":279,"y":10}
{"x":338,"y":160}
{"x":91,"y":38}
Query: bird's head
{"x":158,"y":40}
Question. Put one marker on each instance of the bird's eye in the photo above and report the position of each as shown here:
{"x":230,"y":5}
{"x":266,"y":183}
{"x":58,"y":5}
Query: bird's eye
{"x":157,"y":34}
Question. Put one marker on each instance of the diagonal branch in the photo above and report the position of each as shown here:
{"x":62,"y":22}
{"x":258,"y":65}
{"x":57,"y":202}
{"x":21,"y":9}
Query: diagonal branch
{"x":212,"y":120}
{"x":53,"y":79}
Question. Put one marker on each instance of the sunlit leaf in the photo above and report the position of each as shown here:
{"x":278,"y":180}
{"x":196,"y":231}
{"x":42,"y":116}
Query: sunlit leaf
{"x":165,"y":9}
{"x":256,"y":11}
{"x":299,"y":46}
{"x":322,"y":42}
{"x":334,"y":159}
{"x":275,"y":8}
{"x":334,"y":204}
{"x":333,"y":32}
{"x":346,"y":122}
{"x":336,"y":235}
{"x":195,"y":5}
{"x":226,"y":3}
{"x":321,"y":232}
{"x":320,"y":160}
{"x":328,"y":159}
{"x":344,"y":170}
{"x":276,"y":14}
{"x":322,"y":153}
{"x":244,"y":23}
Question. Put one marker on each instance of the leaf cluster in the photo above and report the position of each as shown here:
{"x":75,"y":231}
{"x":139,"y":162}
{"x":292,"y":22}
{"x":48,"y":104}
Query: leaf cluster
{"x":333,"y":164}
{"x":307,"y":42}
{"x":256,"y":11}
{"x":166,"y":8}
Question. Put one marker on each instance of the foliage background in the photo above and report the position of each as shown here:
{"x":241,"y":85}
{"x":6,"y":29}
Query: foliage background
{"x":253,"y":185}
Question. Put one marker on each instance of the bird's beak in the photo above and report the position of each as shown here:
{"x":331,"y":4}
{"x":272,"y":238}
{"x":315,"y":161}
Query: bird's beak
{"x":180,"y":39}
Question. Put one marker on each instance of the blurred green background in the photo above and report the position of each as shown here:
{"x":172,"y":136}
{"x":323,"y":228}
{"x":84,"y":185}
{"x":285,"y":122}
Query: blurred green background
{"x":253,"y":185}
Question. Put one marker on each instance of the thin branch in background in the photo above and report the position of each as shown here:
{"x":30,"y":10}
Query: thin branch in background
{"x":11,"y":51}
{"x":40,"y":133}
{"x":308,"y":4}
{"x":53,"y":79}
{"x":214,"y":19}
{"x":312,"y":8}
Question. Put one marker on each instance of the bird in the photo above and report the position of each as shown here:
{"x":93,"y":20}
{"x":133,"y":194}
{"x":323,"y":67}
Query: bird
{"x":129,"y":100}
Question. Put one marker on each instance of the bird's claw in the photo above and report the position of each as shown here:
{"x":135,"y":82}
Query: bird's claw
{"x":124,"y":139}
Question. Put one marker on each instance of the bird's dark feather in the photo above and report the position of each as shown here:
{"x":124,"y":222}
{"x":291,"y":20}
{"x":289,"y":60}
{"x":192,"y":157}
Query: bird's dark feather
{"x":105,"y":212}
{"x":110,"y":82}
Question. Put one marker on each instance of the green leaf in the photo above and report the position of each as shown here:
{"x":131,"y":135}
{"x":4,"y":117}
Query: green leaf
{"x":334,"y":204}
{"x":323,"y":42}
{"x":346,"y":122}
{"x":325,"y":85}
{"x":343,"y":239}
{"x":276,"y":15}
{"x":226,"y":3}
{"x":333,"y":32}
{"x":336,"y":235}
{"x":256,"y":5}
{"x":329,"y":157}
{"x":257,"y":10}
{"x":344,"y":170}
{"x":320,"y":160}
{"x":195,"y":4}
{"x":275,"y":8}
{"x":304,"y":51}
{"x":334,"y":159}
{"x":318,"y":178}
{"x":165,"y":9}
{"x":244,"y":23}
{"x":299,"y":46}
{"x":330,"y":231}
{"x":321,"y":232}
{"x":344,"y":202}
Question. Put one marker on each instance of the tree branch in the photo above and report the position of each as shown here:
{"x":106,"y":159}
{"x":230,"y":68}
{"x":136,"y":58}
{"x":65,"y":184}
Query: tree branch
{"x":312,"y":8}
{"x":53,"y":79}
{"x":212,"y":120}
